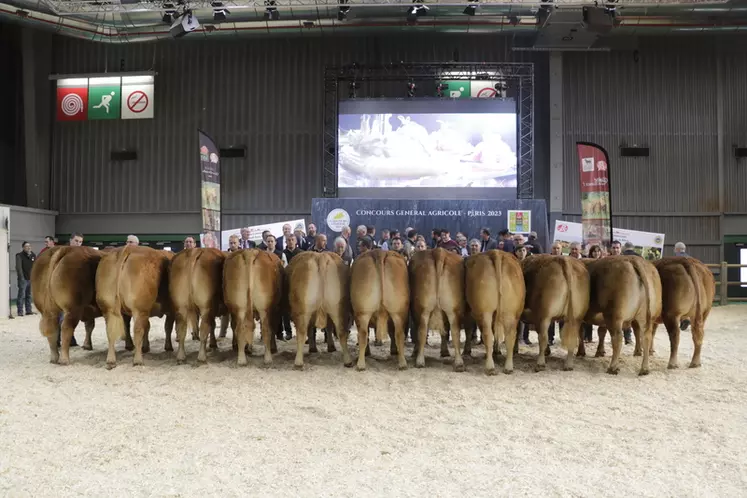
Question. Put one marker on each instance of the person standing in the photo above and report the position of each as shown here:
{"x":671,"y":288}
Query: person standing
{"x":24,"y":262}
{"x":48,"y":243}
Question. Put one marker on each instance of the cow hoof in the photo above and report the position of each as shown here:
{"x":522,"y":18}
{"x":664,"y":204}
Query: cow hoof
{"x":613,"y":371}
{"x":137,"y":363}
{"x":540,"y":368}
{"x":130,"y":347}
{"x":507,"y":371}
{"x":637,"y":353}
{"x":88,"y":347}
{"x":403,"y":367}
{"x":567,"y":369}
{"x":313,"y":350}
{"x":201,"y":361}
{"x":644,"y":371}
{"x":581,"y":354}
{"x":673,"y":366}
{"x":146,"y":348}
{"x":241,"y":363}
{"x":490,"y":371}
{"x":694,"y":365}
{"x":168,"y":347}
{"x":295,"y":366}
{"x":459,"y":368}
{"x":274,"y":350}
{"x":53,"y":361}
{"x":599,"y":354}
{"x":445,"y":354}
{"x":348,"y":364}
{"x":180,"y":361}
{"x":360,"y":368}
{"x":378,"y":343}
{"x":420,"y":364}
{"x":331,"y":349}
{"x":110,"y":366}
{"x":63,"y":361}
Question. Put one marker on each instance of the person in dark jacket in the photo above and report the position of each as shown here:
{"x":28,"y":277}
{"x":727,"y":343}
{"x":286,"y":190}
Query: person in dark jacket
{"x":505,"y":236}
{"x":291,"y":248}
{"x":24,"y":262}
{"x":486,"y":242}
{"x":534,"y":245}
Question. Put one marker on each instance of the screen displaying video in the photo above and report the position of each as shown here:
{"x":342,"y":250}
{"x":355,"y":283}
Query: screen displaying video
{"x":427,"y":143}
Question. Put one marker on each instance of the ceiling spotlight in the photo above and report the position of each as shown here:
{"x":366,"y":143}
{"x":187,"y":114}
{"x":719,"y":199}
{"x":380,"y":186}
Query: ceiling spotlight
{"x":220,"y":13}
{"x":500,"y":89}
{"x":471,"y":9}
{"x":410,"y":89}
{"x":417,"y":10}
{"x":169,"y":13}
{"x":271,"y":13}
{"x":342,"y":12}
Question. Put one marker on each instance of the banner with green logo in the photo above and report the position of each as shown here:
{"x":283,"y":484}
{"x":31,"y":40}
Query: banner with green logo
{"x":104,"y":97}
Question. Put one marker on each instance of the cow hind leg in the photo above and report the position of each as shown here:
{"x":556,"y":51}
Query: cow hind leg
{"x":697,"y":328}
{"x":207,"y":329}
{"x":511,"y":330}
{"x":645,"y":334}
{"x":329,"y":335}
{"x":361,"y":323}
{"x":485,"y":322}
{"x":544,"y":325}
{"x":142,"y":327}
{"x":87,"y":344}
{"x":129,"y":345}
{"x":181,"y":334}
{"x":268,"y":333}
{"x":48,"y":327}
{"x":399,"y":338}
{"x":572,"y":339}
{"x":616,"y":336}
{"x":456,"y":336}
{"x":223,"y":326}
{"x":303,"y":326}
{"x":393,"y":351}
{"x":422,"y":337}
{"x":601,"y":333}
{"x":311,"y":334}
{"x":115,"y":327}
{"x":69,"y":322}
{"x":167,"y":329}
{"x":673,"y":330}
{"x":343,"y":333}
{"x":244,"y":332}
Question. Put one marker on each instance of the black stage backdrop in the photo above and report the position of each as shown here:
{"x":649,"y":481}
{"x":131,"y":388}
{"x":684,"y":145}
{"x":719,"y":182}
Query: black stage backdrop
{"x":466,"y":216}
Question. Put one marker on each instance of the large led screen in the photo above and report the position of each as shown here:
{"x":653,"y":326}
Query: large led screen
{"x":428,"y":144}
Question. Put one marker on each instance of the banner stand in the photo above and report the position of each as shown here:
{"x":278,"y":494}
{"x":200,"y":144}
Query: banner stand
{"x":210,"y":192}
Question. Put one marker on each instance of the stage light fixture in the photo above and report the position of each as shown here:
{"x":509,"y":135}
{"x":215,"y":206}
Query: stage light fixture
{"x":342,"y":12}
{"x":220,"y":13}
{"x":271,"y":13}
{"x":441,"y":88}
{"x":410,"y":89}
{"x":169,"y":13}
{"x":184,"y":24}
{"x":471,"y":9}
{"x":501,"y":88}
{"x":416,"y":10}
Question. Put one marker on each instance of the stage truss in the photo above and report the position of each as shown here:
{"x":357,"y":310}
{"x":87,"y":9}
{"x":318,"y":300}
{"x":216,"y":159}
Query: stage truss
{"x":519,"y":77}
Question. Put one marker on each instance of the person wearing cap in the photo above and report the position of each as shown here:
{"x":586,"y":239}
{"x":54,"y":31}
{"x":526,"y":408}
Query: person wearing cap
{"x":629,"y":250}
{"x":533,"y":244}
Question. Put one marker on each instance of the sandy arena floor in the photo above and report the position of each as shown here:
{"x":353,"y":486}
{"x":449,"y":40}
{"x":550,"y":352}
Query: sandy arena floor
{"x":217,"y":430}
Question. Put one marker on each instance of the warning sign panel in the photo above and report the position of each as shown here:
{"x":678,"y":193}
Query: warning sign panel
{"x":483,"y":89}
{"x":72,"y":99}
{"x":137,"y":97}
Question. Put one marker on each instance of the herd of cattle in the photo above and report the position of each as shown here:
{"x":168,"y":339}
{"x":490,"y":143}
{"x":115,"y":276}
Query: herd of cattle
{"x":438,"y":290}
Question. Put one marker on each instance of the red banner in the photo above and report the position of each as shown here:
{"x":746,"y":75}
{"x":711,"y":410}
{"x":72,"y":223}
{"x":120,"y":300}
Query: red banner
{"x":596,"y":217}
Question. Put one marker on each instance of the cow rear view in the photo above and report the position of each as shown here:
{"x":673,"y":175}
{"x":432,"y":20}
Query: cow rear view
{"x":437,"y":288}
{"x":379,"y":293}
{"x":495,"y":297}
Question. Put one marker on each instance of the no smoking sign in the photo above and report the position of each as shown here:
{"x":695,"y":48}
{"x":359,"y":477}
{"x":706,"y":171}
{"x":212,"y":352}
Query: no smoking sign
{"x":137,"y":101}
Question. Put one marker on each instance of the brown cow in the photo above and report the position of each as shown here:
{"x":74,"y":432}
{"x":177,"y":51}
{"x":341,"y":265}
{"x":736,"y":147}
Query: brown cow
{"x":318,"y":296}
{"x":437,"y":294}
{"x":133,"y":281}
{"x":253,"y":282}
{"x":379,"y":293}
{"x":196,"y":287}
{"x":557,"y":287}
{"x":625,"y":292}
{"x":495,"y":297}
{"x":688,"y":288}
{"x":64,"y":279}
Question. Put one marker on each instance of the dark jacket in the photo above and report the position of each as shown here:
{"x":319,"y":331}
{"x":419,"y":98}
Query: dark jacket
{"x":24,"y":262}
{"x":487,"y":245}
{"x":248,"y":244}
{"x":535,"y":246}
{"x":451,"y":245}
{"x":289,"y":254}
{"x":508,"y":245}
{"x":630,"y":252}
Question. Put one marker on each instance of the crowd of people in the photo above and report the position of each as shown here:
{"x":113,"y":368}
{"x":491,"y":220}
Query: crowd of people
{"x":405,"y":243}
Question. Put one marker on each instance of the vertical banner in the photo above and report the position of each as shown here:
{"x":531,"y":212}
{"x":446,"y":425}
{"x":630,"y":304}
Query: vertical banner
{"x":210,"y":192}
{"x":596,"y":219}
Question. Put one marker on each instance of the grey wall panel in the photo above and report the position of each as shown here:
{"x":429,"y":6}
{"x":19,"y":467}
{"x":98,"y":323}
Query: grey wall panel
{"x":266,"y":95}
{"x":27,"y":225}
{"x":735,"y":132}
{"x":667,"y":101}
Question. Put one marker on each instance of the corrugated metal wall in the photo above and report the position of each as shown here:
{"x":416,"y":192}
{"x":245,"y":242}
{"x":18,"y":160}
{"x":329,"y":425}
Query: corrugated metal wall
{"x":264,"y":94}
{"x":664,"y":98}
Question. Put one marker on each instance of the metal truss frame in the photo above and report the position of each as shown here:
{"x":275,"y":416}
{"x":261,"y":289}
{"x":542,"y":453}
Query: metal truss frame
{"x":519,"y":76}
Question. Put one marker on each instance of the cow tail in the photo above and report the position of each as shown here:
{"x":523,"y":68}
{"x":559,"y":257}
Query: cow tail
{"x":646,"y":281}
{"x":382,"y":317}
{"x":250,"y":256}
{"x":195,"y":281}
{"x":123,"y":256}
{"x":700,"y":299}
{"x":53,"y":263}
{"x":323,"y":269}
{"x":498,"y":268}
{"x":570,"y":279}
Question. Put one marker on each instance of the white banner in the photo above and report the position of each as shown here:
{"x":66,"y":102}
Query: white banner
{"x":4,"y":262}
{"x":137,"y":97}
{"x":647,"y":244}
{"x":255,"y":232}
